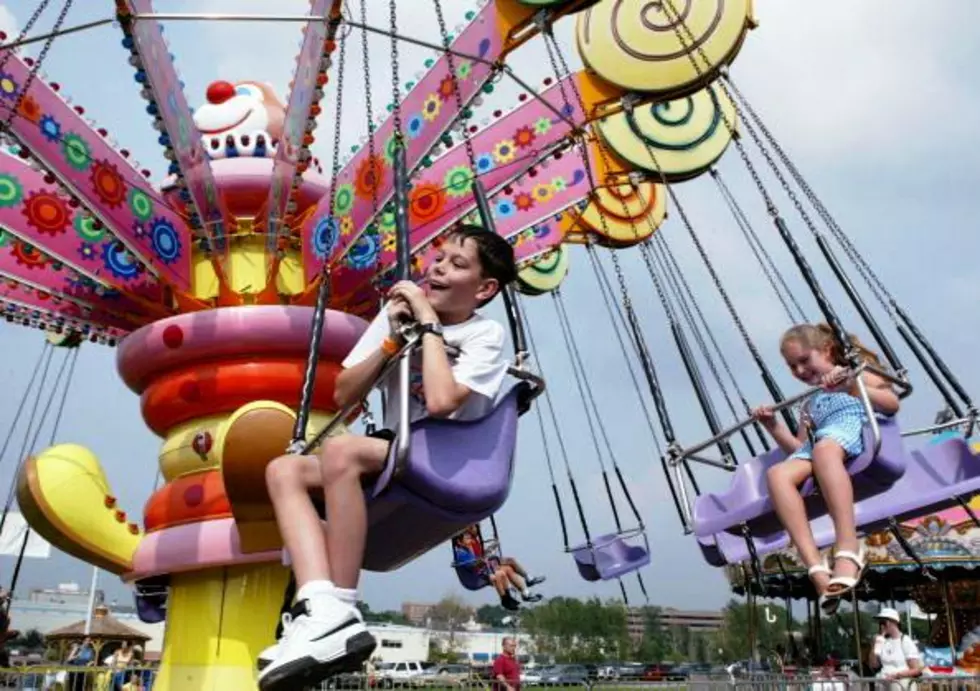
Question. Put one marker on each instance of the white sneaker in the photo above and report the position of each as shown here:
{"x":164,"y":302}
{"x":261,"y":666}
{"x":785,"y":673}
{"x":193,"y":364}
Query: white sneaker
{"x":324,"y":637}
{"x":269,"y":655}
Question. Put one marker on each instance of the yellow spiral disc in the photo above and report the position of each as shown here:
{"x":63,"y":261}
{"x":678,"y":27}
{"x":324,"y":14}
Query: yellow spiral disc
{"x":545,"y":274}
{"x":648,"y":45}
{"x":624,"y":215}
{"x":683,"y":137}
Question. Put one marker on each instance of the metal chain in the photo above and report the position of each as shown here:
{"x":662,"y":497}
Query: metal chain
{"x":335,"y":168}
{"x":769,"y":268}
{"x":26,"y":86}
{"x":709,"y":265}
{"x":396,"y":106}
{"x":451,"y":63}
{"x":368,"y":105}
{"x":867,"y":273}
{"x":667,"y":264}
{"x":23,"y":34}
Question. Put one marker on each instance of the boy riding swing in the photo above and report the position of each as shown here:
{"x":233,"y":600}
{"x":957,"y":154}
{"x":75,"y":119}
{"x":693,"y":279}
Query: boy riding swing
{"x":324,"y":633}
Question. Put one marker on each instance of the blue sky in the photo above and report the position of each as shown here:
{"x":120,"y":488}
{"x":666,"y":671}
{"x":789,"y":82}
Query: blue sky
{"x":886,"y":134}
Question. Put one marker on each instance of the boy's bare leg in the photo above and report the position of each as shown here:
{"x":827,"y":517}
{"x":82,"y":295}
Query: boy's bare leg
{"x":515,"y":565}
{"x":289,"y":480}
{"x":326,"y":635}
{"x":345,"y":462}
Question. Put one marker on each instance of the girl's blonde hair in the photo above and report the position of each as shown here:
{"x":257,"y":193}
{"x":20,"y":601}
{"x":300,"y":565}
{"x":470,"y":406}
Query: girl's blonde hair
{"x":821,"y":337}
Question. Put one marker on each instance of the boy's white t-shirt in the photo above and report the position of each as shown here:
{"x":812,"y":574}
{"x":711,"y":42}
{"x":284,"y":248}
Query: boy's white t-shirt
{"x":480,"y":366}
{"x":895,"y":654}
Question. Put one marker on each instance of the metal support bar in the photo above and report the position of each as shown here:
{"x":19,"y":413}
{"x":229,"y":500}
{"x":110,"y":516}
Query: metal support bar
{"x":908,"y":549}
{"x":56,"y":34}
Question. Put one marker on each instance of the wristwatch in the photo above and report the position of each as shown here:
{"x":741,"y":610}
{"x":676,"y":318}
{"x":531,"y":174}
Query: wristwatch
{"x":434,"y":328}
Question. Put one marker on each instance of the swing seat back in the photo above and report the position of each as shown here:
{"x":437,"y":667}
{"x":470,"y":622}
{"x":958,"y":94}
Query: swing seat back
{"x":934,"y":477}
{"x":472,"y":576}
{"x":151,"y":596}
{"x":747,"y":499}
{"x":611,"y":556}
{"x":455,"y":474}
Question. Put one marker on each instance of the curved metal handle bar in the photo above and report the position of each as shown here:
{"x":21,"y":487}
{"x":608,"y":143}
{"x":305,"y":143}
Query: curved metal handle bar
{"x":691,"y":452}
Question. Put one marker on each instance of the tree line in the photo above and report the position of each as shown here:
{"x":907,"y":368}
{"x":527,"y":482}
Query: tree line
{"x":592,"y":630}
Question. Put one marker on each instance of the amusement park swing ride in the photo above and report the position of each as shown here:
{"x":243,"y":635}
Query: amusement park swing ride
{"x":233,"y":291}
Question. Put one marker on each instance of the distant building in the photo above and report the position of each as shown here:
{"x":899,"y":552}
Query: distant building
{"x":696,"y":621}
{"x":417,"y":612}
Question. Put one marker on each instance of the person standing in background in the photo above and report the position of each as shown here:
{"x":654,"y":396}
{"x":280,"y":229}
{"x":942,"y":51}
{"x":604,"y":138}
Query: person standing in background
{"x":506,"y":668}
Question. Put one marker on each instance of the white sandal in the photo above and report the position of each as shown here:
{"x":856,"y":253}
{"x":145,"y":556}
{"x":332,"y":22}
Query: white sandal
{"x":842,"y":585}
{"x":828,"y":605}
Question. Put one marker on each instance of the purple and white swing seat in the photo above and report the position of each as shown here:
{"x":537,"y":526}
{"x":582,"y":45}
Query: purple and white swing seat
{"x":455,"y":474}
{"x":934,"y":477}
{"x":747,"y":500}
{"x":611,"y":556}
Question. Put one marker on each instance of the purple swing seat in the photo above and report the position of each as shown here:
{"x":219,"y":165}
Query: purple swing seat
{"x":935,"y":476}
{"x":747,"y":499}
{"x":151,"y":597}
{"x":456,"y":474}
{"x":609,"y":556}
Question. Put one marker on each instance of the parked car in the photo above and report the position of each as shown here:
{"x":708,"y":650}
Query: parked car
{"x":446,"y":675}
{"x":564,"y":675}
{"x":392,"y":674}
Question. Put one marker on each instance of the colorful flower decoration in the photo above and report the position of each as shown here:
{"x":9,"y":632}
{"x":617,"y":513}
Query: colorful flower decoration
{"x":446,"y":88}
{"x":29,"y":110}
{"x":364,"y":253}
{"x":370,"y":174}
{"x":50,"y":128}
{"x":504,"y":151}
{"x":386,"y":223}
{"x":140,"y":204}
{"x":524,"y":137}
{"x":458,"y":181}
{"x":86,"y":251}
{"x":523,"y":201}
{"x":484,"y":163}
{"x":118,"y":261}
{"x":389,"y":240}
{"x":389,"y":151}
{"x":86,"y":228}
{"x":5,"y":238}
{"x":139,"y":230}
{"x":47,"y":212}
{"x":11,"y":191}
{"x":542,"y":193}
{"x":8,"y":87}
{"x":165,"y":241}
{"x":505,"y":208}
{"x":425,"y":202}
{"x":108,"y":184}
{"x":325,"y":235}
{"x":542,"y":125}
{"x":431,"y":107}
{"x":343,"y":200}
{"x":76,"y":151}
{"x":346,"y":226}
{"x":28,"y":255}
{"x":559,"y":184}
{"x":416,"y":124}
{"x":464,"y":69}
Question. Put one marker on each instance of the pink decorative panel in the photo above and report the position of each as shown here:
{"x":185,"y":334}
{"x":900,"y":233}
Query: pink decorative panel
{"x":23,"y":301}
{"x":180,"y":134}
{"x":102,"y":178}
{"x":306,"y":91}
{"x":427,"y":111}
{"x":37,"y":213}
{"x":25,"y":264}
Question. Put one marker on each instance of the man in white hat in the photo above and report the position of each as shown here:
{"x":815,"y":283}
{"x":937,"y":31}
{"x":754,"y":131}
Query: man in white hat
{"x":895,"y":653}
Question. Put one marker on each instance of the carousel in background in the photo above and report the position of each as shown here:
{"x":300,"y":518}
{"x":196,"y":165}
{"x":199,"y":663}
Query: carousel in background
{"x":937,"y":568}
